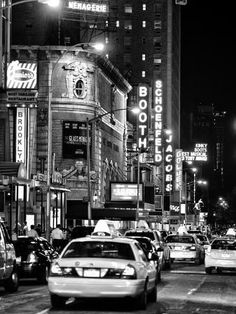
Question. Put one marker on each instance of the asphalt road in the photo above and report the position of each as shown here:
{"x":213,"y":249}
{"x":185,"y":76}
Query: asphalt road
{"x":185,"y":289}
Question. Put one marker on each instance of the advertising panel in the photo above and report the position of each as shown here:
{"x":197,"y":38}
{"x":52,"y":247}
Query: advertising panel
{"x":74,"y":140}
{"x":199,"y":153}
{"x":22,"y":75}
{"x":126,"y":192}
{"x":168,"y":162}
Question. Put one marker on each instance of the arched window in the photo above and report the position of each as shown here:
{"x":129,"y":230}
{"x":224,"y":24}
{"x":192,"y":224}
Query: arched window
{"x":79,"y":89}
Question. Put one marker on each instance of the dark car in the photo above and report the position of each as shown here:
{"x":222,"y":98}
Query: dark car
{"x":149,"y":249}
{"x":81,"y":231}
{"x":34,"y":256}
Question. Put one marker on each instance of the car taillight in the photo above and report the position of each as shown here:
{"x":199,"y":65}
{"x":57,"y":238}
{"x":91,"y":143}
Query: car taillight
{"x":32,"y":258}
{"x":192,"y":248}
{"x":129,"y":272}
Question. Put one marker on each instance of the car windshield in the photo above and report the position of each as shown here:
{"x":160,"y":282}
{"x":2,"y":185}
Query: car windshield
{"x":223,"y":245}
{"x":147,"y":234}
{"x":180,"y":239}
{"x":99,"y":249}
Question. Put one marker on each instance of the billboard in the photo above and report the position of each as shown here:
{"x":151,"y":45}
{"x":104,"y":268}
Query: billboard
{"x":95,"y":7}
{"x":22,"y":75}
{"x":74,"y":140}
{"x":126,"y":191}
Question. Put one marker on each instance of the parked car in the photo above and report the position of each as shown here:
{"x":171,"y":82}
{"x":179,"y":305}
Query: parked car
{"x":161,"y":247}
{"x":185,"y":247}
{"x":221,"y":255}
{"x":149,"y":249}
{"x":34,"y":256}
{"x":103,"y":265}
{"x":8,"y":268}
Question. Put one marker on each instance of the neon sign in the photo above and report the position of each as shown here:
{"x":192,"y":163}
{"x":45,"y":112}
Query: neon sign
{"x":90,"y":7}
{"x":158,"y":109}
{"x":143,"y":96}
{"x":20,"y":135}
{"x":168,"y":163}
{"x":199,"y":153}
{"x":178,"y":170}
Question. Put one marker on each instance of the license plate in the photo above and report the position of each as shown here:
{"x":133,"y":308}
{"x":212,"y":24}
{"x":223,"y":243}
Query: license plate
{"x":92,"y":273}
{"x":225,"y":255}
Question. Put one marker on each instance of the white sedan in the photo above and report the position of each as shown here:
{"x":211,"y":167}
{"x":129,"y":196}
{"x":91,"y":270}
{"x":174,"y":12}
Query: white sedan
{"x":100,"y":266}
{"x":221,"y":255}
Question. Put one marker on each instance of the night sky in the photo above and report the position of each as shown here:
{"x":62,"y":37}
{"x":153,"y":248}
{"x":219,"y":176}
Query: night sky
{"x":208,"y":65}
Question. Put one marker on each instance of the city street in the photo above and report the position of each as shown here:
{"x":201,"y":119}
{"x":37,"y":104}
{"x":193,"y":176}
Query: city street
{"x":184,"y":289}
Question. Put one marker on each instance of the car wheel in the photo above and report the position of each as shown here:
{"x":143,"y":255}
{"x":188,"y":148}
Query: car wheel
{"x":153,"y":295}
{"x":142,"y":299}
{"x":11,"y":284}
{"x":57,"y":302}
{"x":208,"y":270}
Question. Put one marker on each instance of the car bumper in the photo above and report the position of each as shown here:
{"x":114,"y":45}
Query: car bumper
{"x":220,"y":263}
{"x":94,"y":288}
{"x":183,"y":255}
{"x":29,"y":270}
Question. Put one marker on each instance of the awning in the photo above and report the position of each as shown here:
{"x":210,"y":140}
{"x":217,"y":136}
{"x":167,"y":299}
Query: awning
{"x":13,"y":169}
{"x":77,"y":209}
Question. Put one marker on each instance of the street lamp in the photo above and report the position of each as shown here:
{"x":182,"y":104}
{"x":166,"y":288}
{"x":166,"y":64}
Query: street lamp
{"x":88,"y":122}
{"x":7,"y":6}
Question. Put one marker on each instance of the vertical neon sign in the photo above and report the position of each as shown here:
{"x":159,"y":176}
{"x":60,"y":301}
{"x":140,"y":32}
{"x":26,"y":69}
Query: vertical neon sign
{"x":20,"y":135}
{"x":143,"y":96}
{"x":158,"y":125}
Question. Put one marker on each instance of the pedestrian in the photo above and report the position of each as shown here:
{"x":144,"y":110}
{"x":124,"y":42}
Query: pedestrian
{"x":32,"y":232}
{"x":39,"y":230}
{"x":57,"y":237}
{"x":25,"y":229}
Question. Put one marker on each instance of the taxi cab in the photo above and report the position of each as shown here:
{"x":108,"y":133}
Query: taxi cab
{"x":221,"y":255}
{"x":103,"y":265}
{"x":185,"y":246}
{"x":8,"y":268}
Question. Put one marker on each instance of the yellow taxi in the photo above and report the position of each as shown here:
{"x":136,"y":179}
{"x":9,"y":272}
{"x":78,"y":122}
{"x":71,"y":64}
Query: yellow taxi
{"x":103,"y":265}
{"x":221,"y":255}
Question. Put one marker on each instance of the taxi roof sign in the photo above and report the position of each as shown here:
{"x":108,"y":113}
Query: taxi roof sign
{"x":105,"y":228}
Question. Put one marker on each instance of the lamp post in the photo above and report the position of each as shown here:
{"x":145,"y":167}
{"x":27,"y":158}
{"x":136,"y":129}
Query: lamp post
{"x":88,"y":122}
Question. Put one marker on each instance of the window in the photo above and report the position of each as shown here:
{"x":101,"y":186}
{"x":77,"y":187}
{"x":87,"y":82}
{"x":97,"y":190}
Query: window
{"x":128,"y":25}
{"x":157,"y":60}
{"x":143,"y":73}
{"x":143,"y":40}
{"x":157,"y":44}
{"x":106,"y":23}
{"x":106,"y":40}
{"x":79,"y":89}
{"x":157,"y":24}
{"x":127,"y":42}
{"x":143,"y":57}
{"x":117,"y":23}
{"x":143,"y":24}
{"x":127,"y":58}
{"x":128,"y":8}
{"x":144,"y":7}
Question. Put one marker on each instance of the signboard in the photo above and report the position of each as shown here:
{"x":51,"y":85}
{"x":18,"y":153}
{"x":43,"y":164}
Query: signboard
{"x":126,"y":192}
{"x":168,"y":163}
{"x":74,"y":140}
{"x":22,"y":75}
{"x":96,"y":7}
{"x":20,"y":134}
{"x":158,"y":122}
{"x":199,"y":153}
{"x":143,"y":101}
{"x":178,"y":170}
